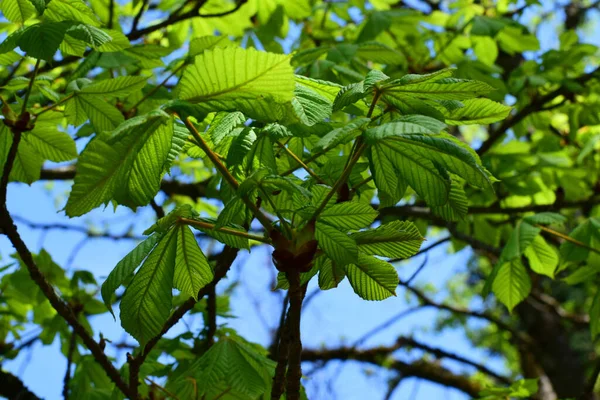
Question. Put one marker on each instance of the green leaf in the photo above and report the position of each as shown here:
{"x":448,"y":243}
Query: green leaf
{"x":233,"y":79}
{"x":28,"y":163}
{"x":478,"y":111}
{"x":349,"y":215}
{"x":227,"y":367}
{"x":200,"y":44}
{"x":103,"y":116}
{"x":396,"y":239}
{"x":521,"y":237}
{"x":457,"y":207}
{"x":337,"y":245}
{"x":223,"y":124}
{"x":424,"y":159}
{"x":372,"y":278}
{"x":380,"y":53}
{"x":512,"y":284}
{"x":120,"y":86}
{"x":582,"y":233}
{"x":543,"y":259}
{"x":50,"y":143}
{"x":330,"y":274}
{"x":70,"y":10}
{"x":356,"y":91}
{"x":125,"y":268}
{"x":546,"y":218}
{"x":192,"y":271}
{"x":17,"y":10}
{"x":341,"y":135}
{"x":126,"y":165}
{"x":42,"y":40}
{"x":147,"y":302}
{"x":262,"y":154}
{"x":91,"y":35}
{"x":309,"y":106}
{"x":441,"y":89}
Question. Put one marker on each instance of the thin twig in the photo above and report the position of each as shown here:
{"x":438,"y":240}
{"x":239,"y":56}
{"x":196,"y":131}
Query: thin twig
{"x":71,"y":351}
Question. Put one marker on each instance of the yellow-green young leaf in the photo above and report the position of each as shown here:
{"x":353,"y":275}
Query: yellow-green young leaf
{"x":372,"y":278}
{"x":512,"y":283}
{"x":103,"y":116}
{"x":17,"y":10}
{"x":337,"y":245}
{"x":50,"y":143}
{"x":70,"y":10}
{"x":253,"y":82}
{"x":120,"y":86}
{"x":478,"y":111}
{"x":147,"y":302}
{"x":126,"y":267}
{"x":543,"y":258}
{"x":330,"y":274}
{"x":396,"y":239}
{"x":349,"y":215}
{"x":192,"y":271}
{"x":126,"y":165}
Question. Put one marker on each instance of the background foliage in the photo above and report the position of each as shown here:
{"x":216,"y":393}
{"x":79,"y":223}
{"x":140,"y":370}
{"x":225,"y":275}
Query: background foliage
{"x":331,"y":138}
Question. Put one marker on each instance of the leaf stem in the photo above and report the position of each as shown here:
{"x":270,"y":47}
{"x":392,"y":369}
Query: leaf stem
{"x":50,"y":107}
{"x":567,"y":238}
{"x":302,"y":164}
{"x":284,"y":223}
{"x":262,"y":218}
{"x":31,"y":81}
{"x":155,"y":89}
{"x":230,"y":231}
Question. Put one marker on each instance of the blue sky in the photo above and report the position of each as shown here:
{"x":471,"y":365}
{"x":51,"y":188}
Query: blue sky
{"x":333,"y":318}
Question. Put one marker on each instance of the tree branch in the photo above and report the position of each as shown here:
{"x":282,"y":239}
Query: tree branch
{"x":12,"y":387}
{"x":421,"y":369}
{"x":529,"y":109}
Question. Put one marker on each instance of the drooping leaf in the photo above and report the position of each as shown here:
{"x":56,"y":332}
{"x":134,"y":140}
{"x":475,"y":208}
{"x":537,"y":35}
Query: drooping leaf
{"x":125,"y":165}
{"x":512,"y":283}
{"x":330,"y":274}
{"x":126,"y":267}
{"x":147,"y":301}
{"x":423,"y":158}
{"x":542,"y":257}
{"x":372,"y":278}
{"x":192,"y":271}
